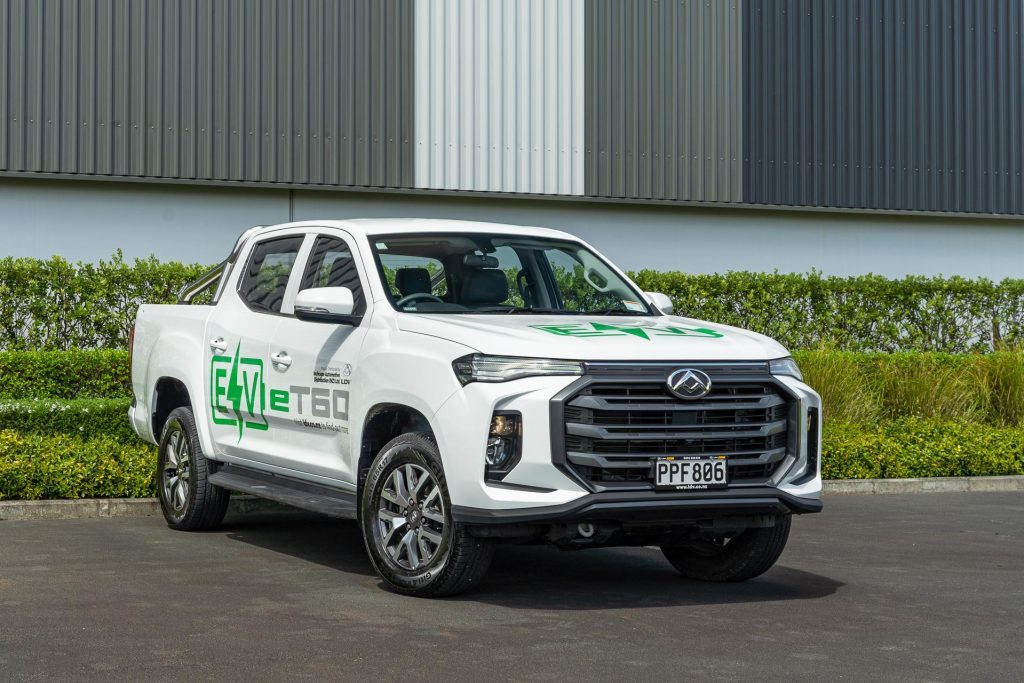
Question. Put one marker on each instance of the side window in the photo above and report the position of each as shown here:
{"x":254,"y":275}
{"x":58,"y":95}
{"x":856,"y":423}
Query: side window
{"x":266,"y":275}
{"x":331,"y":265}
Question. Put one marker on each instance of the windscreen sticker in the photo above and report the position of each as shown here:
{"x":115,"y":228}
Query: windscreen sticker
{"x":239,"y":397}
{"x":634,"y":306}
{"x":639,"y":330}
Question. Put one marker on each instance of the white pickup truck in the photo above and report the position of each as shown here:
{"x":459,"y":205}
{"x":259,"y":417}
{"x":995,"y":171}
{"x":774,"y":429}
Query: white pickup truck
{"x":452,"y":385}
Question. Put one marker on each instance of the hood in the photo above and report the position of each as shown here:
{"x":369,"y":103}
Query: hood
{"x":596,"y":338}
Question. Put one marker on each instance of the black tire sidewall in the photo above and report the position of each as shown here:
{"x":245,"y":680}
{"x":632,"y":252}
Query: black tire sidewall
{"x":180,"y":418}
{"x":207,"y":503}
{"x":419,"y":450}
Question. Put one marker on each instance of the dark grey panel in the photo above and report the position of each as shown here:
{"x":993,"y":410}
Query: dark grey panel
{"x":663,"y":99}
{"x":914,"y":105}
{"x":312,"y":92}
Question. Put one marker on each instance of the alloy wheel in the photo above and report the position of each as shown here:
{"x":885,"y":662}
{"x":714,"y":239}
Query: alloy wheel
{"x":410,"y":517}
{"x":177,"y":472}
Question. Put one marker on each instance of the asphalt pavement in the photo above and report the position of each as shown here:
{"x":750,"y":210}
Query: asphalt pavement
{"x":915,"y":587}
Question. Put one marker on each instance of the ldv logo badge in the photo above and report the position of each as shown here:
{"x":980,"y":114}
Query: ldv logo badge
{"x":689,"y":384}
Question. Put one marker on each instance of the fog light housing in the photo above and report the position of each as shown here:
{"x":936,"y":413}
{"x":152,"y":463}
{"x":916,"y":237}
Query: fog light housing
{"x":504,"y":442}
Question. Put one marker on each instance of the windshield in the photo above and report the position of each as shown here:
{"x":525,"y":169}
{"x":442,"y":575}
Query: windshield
{"x":500,"y":274}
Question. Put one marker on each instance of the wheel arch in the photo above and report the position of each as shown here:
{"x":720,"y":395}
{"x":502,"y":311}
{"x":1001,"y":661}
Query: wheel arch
{"x":383,"y":422}
{"x":168,"y":393}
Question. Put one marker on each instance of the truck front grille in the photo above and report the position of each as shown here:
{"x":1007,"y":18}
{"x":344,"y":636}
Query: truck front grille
{"x":615,"y":429}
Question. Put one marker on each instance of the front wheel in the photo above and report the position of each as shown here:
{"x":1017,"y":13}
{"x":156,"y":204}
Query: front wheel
{"x":750,"y":554}
{"x":406,"y":516}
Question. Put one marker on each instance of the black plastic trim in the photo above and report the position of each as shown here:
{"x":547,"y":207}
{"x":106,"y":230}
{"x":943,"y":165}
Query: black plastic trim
{"x":650,"y":505}
{"x":516,"y":487}
{"x":301,"y":494}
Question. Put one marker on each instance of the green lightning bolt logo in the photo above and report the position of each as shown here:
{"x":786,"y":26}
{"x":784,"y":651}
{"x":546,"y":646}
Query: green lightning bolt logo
{"x":237,"y":392}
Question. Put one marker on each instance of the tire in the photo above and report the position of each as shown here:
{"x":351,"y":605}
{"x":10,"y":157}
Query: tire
{"x":750,"y":554}
{"x":406,"y":490}
{"x":187,"y":498}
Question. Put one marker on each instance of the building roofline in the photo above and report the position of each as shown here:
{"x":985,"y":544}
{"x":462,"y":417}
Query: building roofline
{"x":477,"y":194}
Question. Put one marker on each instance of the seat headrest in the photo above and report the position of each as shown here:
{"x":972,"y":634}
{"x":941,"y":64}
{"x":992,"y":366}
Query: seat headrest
{"x":412,"y":281}
{"x":485,"y":286}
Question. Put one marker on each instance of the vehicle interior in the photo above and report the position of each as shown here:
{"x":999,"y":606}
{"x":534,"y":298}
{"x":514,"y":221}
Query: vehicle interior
{"x":480,"y":273}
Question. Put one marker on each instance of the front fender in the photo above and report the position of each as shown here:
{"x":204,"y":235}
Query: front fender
{"x":405,"y":369}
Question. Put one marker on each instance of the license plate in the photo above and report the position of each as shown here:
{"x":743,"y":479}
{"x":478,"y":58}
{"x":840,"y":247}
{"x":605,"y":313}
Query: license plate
{"x":691,"y":472}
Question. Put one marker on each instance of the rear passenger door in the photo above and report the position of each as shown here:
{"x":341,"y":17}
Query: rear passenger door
{"x":317,"y":363}
{"x":237,"y":344}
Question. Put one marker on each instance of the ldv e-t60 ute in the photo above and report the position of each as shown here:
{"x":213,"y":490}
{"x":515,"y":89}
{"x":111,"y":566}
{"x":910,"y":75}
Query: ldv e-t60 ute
{"x":455,"y":385}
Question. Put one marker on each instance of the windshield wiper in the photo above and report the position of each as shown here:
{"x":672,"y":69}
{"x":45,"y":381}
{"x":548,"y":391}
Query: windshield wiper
{"x":616,"y":311}
{"x":508,"y":310}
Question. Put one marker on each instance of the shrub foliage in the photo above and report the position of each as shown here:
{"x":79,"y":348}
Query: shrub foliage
{"x":865,"y":313}
{"x":916,"y":447}
{"x":83,"y":417}
{"x":78,"y":373}
{"x":54,"y":304}
{"x":37,"y":466}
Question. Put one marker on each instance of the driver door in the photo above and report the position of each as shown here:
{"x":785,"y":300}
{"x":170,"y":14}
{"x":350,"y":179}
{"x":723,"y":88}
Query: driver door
{"x":315,"y":362}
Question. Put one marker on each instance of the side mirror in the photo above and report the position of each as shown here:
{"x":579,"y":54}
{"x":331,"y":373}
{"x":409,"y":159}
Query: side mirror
{"x":661,"y":302}
{"x":326,"y":305}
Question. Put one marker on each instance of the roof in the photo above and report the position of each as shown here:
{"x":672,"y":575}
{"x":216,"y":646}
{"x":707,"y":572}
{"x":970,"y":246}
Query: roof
{"x":378,"y":226}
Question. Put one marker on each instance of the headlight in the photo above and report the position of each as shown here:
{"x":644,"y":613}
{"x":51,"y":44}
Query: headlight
{"x":479,"y":368}
{"x":785,"y":366}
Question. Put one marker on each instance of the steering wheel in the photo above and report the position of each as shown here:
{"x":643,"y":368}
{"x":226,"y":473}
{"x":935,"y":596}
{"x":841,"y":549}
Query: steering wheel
{"x":409,"y":298}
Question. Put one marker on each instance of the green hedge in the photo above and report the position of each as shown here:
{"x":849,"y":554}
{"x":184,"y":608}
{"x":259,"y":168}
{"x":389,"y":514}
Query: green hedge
{"x":54,"y":304}
{"x":866,"y":313}
{"x":83,"y":373}
{"x":915,"y":447}
{"x":36,"y":466}
{"x":84,"y":417}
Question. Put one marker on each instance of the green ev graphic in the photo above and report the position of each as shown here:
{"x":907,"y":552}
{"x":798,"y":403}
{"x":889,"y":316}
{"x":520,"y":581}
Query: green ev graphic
{"x":640,"y":330}
{"x":237,"y":392}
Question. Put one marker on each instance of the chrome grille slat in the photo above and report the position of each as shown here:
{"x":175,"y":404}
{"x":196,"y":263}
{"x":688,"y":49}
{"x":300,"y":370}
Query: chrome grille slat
{"x":629,"y":432}
{"x":597,"y":403}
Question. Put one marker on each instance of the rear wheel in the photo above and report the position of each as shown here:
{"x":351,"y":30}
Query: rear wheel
{"x":743,"y":557}
{"x":189,"y":502}
{"x":413,"y":542}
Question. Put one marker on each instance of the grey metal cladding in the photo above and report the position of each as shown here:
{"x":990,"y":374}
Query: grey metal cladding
{"x":906,"y":105}
{"x":315,"y":92}
{"x":663,"y":99}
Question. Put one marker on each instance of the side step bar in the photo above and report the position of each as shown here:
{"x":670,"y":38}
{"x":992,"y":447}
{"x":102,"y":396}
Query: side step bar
{"x":300,"y":494}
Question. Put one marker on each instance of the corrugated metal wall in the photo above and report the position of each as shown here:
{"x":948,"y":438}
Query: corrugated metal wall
{"x":877,"y":104}
{"x":915,"y":104}
{"x":499,"y":95}
{"x":664,"y":109}
{"x":317,"y":92}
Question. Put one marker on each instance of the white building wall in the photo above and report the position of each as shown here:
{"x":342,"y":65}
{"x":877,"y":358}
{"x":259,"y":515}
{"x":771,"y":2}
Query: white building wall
{"x":90,"y":220}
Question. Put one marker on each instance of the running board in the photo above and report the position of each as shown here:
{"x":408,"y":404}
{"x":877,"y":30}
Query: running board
{"x":300,"y":494}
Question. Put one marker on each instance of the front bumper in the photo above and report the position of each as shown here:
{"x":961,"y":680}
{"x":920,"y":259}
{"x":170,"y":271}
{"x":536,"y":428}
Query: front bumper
{"x":540,"y":489}
{"x":648,"y":506}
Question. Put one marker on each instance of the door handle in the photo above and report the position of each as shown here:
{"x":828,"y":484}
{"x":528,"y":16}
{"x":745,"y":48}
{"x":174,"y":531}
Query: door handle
{"x":281,"y":358}
{"x":218,"y":344}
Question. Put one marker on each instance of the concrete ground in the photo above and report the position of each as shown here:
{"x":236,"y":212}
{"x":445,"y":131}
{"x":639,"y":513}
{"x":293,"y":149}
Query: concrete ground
{"x":915,"y":587}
